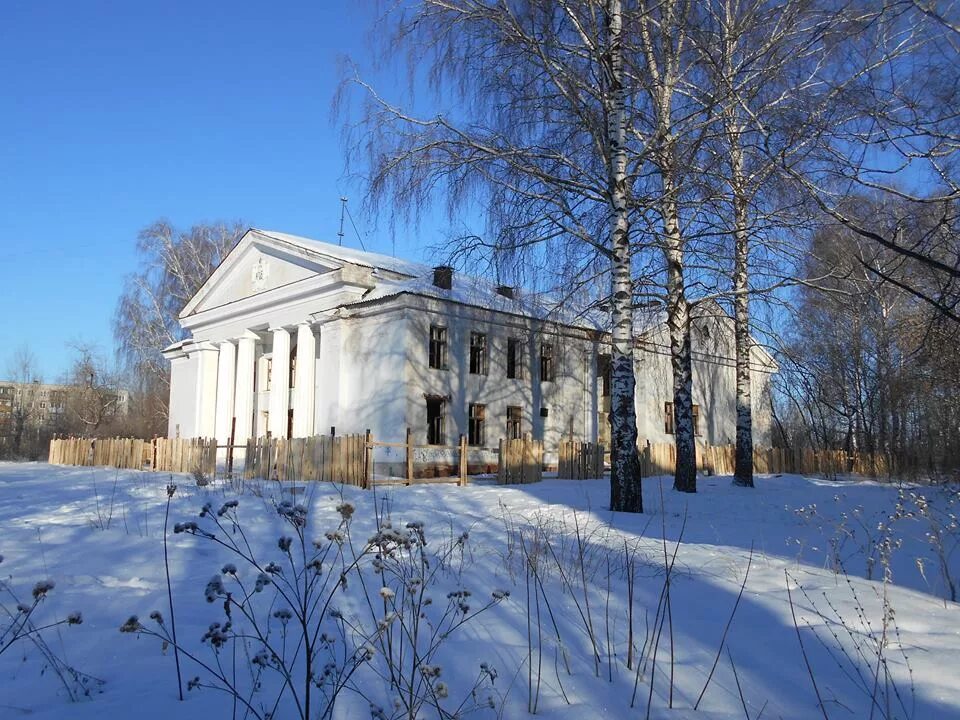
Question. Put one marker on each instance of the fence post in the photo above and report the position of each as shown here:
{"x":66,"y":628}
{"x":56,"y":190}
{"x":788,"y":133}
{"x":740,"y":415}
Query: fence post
{"x":368,"y":460}
{"x":409,"y":456}
{"x":501,"y":460}
{"x":233,"y":437}
{"x":463,"y":460}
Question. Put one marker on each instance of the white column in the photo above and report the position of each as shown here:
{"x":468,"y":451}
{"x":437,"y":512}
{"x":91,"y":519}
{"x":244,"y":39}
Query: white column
{"x":328,"y":402}
{"x":305,"y":385}
{"x":206,"y":394}
{"x":226,"y":386}
{"x":243,"y":395}
{"x":280,"y":383}
{"x":180,"y":391}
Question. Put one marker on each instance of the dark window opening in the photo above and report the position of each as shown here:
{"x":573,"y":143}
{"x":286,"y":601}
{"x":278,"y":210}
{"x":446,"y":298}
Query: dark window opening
{"x":514,"y":417}
{"x":514,"y":358}
{"x":605,"y":370}
{"x":293,"y":367}
{"x":478,"y":354}
{"x":669,"y":425}
{"x":436,"y":420}
{"x":438,"y":347}
{"x":477,"y":420}
{"x":547,"y":370}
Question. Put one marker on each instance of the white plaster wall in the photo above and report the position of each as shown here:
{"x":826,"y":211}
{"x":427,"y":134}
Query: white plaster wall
{"x":714,"y":385}
{"x":183,"y":384}
{"x":371,"y":384}
{"x":568,"y":405}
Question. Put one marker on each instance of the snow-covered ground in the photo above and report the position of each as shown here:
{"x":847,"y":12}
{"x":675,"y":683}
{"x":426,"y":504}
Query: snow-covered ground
{"x":886,"y":646}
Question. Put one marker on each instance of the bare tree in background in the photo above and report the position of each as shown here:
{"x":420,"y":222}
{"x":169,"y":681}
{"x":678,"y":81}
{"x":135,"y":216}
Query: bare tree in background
{"x":888,"y":124}
{"x":173,"y":266}
{"x":94,"y":394}
{"x":876,"y":367}
{"x":25,"y":411}
{"x":540,"y":141}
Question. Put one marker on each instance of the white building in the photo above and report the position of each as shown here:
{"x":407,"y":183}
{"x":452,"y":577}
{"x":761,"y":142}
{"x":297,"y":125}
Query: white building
{"x":293,"y":337}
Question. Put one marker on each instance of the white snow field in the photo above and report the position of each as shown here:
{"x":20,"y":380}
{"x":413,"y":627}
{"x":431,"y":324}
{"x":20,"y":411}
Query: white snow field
{"x":864,"y":568}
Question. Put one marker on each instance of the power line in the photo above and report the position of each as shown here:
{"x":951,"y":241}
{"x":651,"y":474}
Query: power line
{"x":343,"y":206}
{"x":352,"y":223}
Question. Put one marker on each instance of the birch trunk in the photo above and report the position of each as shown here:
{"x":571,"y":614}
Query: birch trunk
{"x":625,"y":491}
{"x":733,"y":128}
{"x":678,"y":322}
{"x":743,"y":455}
{"x":663,"y":78}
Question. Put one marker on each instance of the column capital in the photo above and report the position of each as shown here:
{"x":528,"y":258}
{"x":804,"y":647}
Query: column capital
{"x":247,"y":335}
{"x":278,"y":328}
{"x":203,"y":346}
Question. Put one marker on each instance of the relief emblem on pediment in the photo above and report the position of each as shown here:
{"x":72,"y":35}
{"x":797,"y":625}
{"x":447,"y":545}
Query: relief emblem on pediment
{"x":259,"y":274}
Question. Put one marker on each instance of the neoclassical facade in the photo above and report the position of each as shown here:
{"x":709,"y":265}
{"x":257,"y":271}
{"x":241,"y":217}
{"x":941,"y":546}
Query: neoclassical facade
{"x":294,"y":337}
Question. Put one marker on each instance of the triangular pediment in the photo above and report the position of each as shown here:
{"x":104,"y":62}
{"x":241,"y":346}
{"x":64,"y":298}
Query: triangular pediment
{"x":256,"y":265}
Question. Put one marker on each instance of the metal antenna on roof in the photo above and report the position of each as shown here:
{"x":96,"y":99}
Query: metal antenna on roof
{"x":343,"y":207}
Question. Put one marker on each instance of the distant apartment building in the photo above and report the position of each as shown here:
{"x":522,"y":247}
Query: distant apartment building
{"x":46,"y":405}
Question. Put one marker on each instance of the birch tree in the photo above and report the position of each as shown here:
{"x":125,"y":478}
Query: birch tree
{"x":758,"y":56}
{"x":173,"y":266}
{"x":532,"y":135}
{"x":663,"y":68}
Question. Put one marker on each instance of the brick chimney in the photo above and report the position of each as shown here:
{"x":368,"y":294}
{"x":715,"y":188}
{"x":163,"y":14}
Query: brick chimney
{"x":443,"y":277}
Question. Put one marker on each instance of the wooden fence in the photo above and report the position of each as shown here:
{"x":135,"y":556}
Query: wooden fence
{"x":453,"y":470}
{"x":160,"y":454}
{"x":349,"y":459}
{"x":521,"y":461}
{"x":660,"y":459}
{"x":325,"y":458}
{"x":579,"y":460}
{"x":185,"y":455}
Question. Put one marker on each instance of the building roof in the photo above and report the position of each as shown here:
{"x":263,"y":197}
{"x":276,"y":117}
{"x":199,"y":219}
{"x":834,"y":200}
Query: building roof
{"x":357,"y":257}
{"x":396,"y":277}
{"x":466,"y":289}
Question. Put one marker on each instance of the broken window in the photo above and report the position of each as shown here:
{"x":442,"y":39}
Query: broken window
{"x":436,"y":421}
{"x":605,"y":370}
{"x":477,"y":419}
{"x":514,"y":358}
{"x":669,"y":427}
{"x":438,"y":347}
{"x":478,"y":354}
{"x":547,"y":371}
{"x":514,"y":417}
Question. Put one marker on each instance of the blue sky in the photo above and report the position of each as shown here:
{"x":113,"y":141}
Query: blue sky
{"x":116,"y":114}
